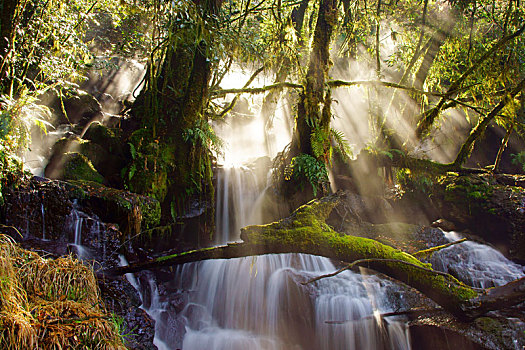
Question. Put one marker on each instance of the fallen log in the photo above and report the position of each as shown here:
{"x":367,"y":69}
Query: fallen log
{"x":305,"y":231}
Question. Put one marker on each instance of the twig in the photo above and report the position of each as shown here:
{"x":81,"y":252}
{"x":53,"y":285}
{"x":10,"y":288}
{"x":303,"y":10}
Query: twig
{"x":14,"y":228}
{"x":222,"y":92}
{"x":364,"y":261}
{"x":416,"y":311}
{"x":435,"y":249}
{"x":234,"y":101}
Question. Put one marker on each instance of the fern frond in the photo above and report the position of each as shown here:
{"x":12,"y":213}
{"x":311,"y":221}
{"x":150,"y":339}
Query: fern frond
{"x":341,"y":145}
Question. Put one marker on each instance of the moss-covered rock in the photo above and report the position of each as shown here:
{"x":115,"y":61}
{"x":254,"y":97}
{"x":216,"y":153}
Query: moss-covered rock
{"x":133,"y":211}
{"x":105,"y":137}
{"x":488,"y":207}
{"x":78,"y":167}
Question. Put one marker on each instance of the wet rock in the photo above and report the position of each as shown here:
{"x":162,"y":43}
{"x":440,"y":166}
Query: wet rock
{"x":123,"y":300}
{"x":432,"y":337}
{"x":80,"y":107}
{"x":445,"y":225}
{"x":442,"y":331}
{"x":130,"y":210}
{"x":37,"y":209}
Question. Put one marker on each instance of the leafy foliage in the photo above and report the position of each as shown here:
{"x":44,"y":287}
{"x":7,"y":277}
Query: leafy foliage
{"x":306,"y":168}
{"x":414,"y":184}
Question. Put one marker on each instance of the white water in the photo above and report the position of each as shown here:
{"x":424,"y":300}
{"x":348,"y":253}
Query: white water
{"x":78,"y":221}
{"x":238,"y":189}
{"x":259,"y":303}
{"x":43,"y":221}
{"x":476,"y":264}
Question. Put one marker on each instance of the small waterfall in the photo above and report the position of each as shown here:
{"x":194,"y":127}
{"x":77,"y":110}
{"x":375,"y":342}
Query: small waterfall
{"x":237,"y":191}
{"x":476,"y":264}
{"x":155,"y":308}
{"x":77,"y":222}
{"x":80,"y":223}
{"x":42,"y":209}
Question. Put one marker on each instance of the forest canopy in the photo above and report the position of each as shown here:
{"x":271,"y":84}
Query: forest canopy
{"x":425,"y":68}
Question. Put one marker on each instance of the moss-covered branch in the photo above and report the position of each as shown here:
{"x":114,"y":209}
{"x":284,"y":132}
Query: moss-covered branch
{"x":343,"y":83}
{"x":484,"y":122}
{"x":305,"y":231}
{"x":260,"y":90}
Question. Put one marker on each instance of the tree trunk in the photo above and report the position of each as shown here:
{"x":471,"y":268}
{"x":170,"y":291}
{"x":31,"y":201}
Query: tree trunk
{"x":305,"y":231}
{"x":309,"y":110}
{"x":173,"y":127}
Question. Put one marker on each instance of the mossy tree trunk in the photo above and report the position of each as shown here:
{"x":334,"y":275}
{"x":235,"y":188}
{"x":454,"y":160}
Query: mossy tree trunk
{"x":171,"y":148}
{"x":313,"y":110}
{"x":305,"y":231}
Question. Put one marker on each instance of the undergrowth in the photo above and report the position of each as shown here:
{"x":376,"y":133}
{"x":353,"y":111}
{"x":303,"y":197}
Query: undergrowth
{"x":51,"y":304}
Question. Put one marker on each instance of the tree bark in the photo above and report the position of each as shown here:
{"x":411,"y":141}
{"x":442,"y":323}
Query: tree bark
{"x":170,"y":110}
{"x":309,"y":115}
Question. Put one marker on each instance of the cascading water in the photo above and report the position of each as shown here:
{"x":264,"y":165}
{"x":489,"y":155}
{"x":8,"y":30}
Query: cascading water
{"x":476,"y":264}
{"x":42,"y":209}
{"x":237,"y":191}
{"x":78,"y":221}
{"x":260,"y":303}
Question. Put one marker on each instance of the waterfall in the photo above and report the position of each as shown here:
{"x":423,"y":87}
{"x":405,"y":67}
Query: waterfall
{"x":42,"y":209}
{"x":78,"y":223}
{"x":238,"y":189}
{"x":476,"y":264}
{"x":259,"y":303}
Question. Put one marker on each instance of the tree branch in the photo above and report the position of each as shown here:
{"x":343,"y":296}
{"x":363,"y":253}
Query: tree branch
{"x":483,"y":123}
{"x":367,"y":261}
{"x":223,"y":92}
{"x":435,"y":249}
{"x":428,"y":118}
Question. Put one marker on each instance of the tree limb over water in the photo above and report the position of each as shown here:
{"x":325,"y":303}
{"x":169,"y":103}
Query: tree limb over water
{"x":305,"y":231}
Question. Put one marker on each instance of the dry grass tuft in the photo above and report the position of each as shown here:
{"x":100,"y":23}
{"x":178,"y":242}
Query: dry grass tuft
{"x":61,"y":279}
{"x":51,"y":304}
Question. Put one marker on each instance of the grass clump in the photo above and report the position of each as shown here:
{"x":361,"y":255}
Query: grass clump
{"x":51,"y":304}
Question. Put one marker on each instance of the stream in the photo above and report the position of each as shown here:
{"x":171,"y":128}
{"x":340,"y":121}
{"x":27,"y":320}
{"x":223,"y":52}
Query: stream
{"x":260,"y":303}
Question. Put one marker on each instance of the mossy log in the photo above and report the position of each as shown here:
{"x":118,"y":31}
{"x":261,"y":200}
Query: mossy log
{"x":305,"y":231}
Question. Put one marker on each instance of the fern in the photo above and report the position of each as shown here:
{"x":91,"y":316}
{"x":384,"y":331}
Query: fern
{"x":307,"y":167}
{"x":341,"y":145}
{"x":320,"y":143}
{"x":203,"y":135}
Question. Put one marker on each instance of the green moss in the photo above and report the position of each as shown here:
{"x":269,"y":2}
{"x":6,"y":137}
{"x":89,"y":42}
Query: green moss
{"x":78,"y":167}
{"x":306,"y":232}
{"x":103,"y":136}
{"x":148,"y":207}
{"x":154,"y":183}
